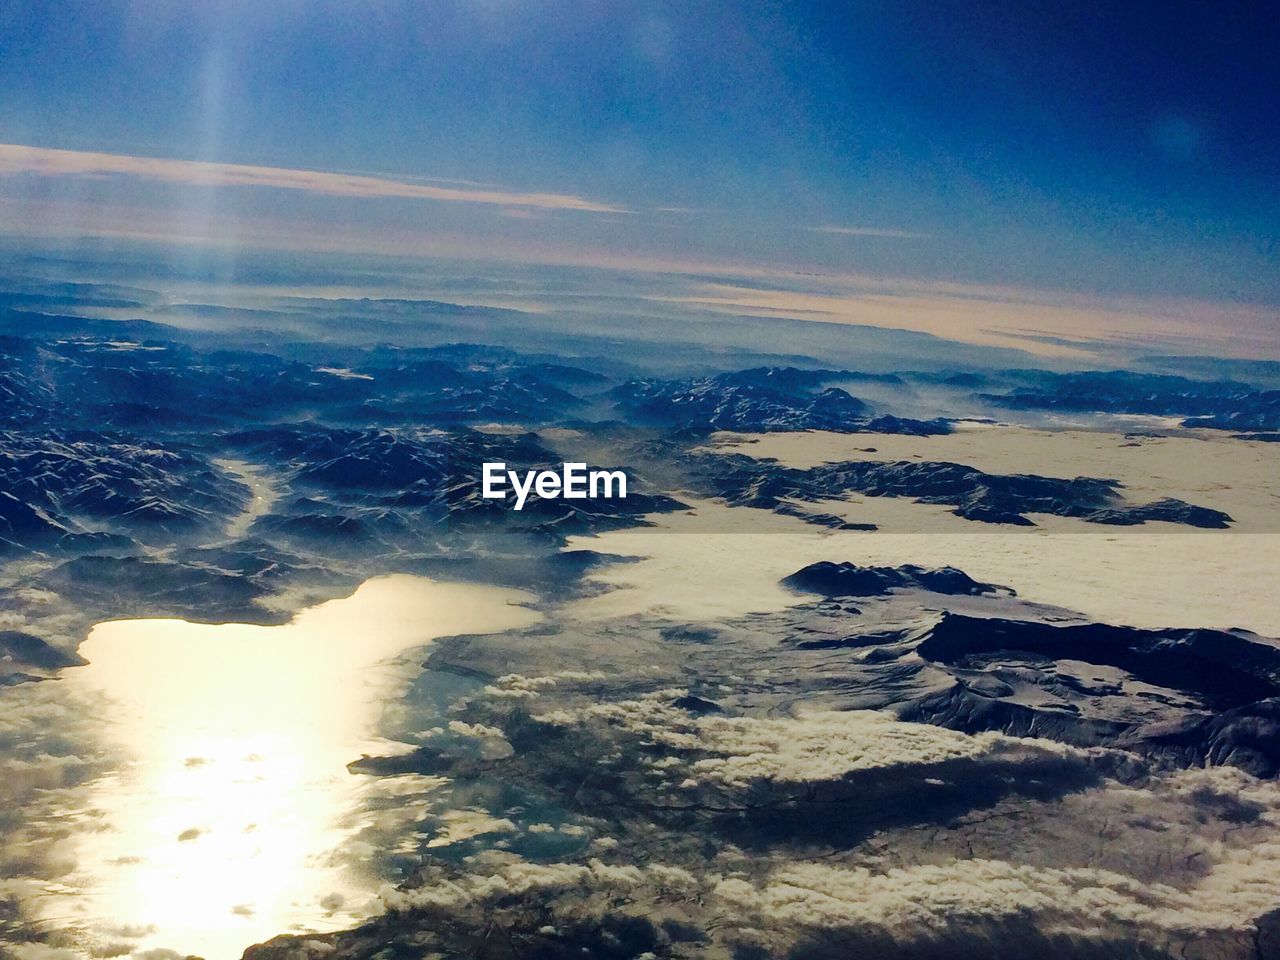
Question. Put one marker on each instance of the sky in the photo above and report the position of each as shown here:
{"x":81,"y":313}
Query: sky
{"x":1096,"y":151}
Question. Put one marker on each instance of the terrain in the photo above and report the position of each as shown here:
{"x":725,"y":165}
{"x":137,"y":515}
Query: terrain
{"x":846,"y":756}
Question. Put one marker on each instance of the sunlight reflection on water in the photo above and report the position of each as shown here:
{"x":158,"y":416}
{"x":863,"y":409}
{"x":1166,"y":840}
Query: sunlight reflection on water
{"x":225,"y":823}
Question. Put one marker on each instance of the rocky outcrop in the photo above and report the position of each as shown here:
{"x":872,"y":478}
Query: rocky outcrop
{"x":972,"y":493}
{"x":761,"y":400}
{"x":850,"y":580}
{"x":1226,"y":670}
{"x":1219,"y":404}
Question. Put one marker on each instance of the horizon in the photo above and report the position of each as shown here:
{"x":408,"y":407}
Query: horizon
{"x":987,"y":174}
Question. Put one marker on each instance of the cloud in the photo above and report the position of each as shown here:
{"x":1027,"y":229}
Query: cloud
{"x":520,"y":878}
{"x":1158,"y":858}
{"x":473,"y":729}
{"x":517,"y":687}
{"x":737,"y":752}
{"x":825,"y":746}
{"x":1062,"y":325}
{"x":1068,"y":326}
{"x":41,"y":951}
{"x":1187,"y":855}
{"x":458,"y":825}
{"x":1195,"y":873}
{"x":39,"y":161}
{"x":934,"y":899}
{"x":886,"y":233}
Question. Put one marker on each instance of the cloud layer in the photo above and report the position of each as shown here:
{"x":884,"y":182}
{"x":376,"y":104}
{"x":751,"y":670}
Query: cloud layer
{"x":39,"y":161}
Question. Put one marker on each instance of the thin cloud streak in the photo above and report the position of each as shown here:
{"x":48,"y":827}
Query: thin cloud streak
{"x":870,"y":232}
{"x":1063,"y":326}
{"x":44,"y":162}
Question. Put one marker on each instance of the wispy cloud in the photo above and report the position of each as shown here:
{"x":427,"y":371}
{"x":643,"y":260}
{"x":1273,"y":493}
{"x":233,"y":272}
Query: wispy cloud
{"x":1060,"y":325}
{"x":870,"y":232}
{"x":40,"y":161}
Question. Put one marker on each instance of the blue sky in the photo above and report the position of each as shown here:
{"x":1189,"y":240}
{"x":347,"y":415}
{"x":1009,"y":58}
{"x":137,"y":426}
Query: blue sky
{"x":1119,"y":150}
